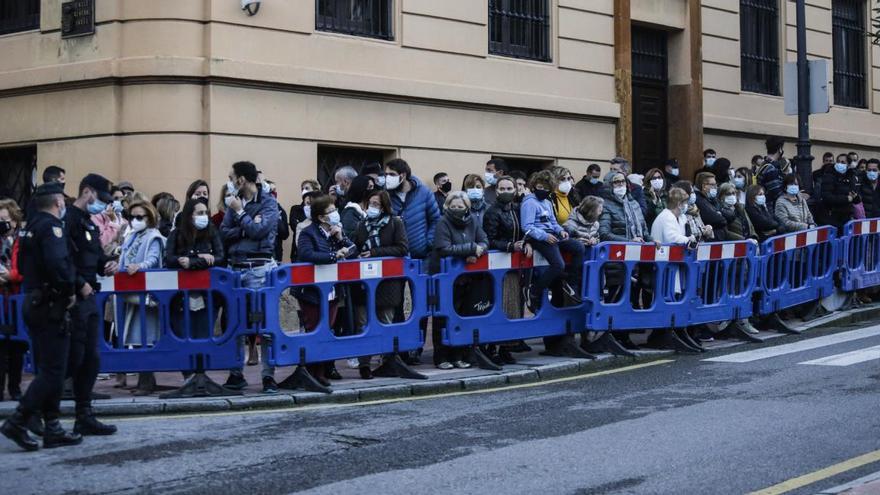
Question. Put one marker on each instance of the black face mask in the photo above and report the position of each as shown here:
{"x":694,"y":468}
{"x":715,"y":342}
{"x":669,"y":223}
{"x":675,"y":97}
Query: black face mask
{"x":5,"y":227}
{"x":446,"y":187}
{"x":541,"y":194}
{"x":506,"y":197}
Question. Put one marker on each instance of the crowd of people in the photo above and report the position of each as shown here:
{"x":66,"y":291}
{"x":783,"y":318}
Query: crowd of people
{"x":385,"y":210}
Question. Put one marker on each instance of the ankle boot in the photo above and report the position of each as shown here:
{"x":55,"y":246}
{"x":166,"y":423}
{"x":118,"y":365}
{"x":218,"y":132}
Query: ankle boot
{"x":55,"y":436}
{"x":146,"y":384}
{"x":87,"y":424}
{"x":16,"y":362}
{"x":15,"y":429}
{"x":35,"y":425}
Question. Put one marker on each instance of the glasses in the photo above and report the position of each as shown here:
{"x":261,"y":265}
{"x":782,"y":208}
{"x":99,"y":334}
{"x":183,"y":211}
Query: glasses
{"x":618,"y":182}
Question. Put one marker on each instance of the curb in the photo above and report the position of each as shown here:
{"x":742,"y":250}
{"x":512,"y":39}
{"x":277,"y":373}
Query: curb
{"x":151,"y":406}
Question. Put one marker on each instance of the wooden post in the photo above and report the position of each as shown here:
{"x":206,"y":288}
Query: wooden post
{"x":623,"y":77}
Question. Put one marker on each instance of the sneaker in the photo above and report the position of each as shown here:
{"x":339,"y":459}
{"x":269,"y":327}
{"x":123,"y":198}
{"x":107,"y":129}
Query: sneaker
{"x":462,"y":364}
{"x":445,"y":365}
{"x":235,"y":382}
{"x":747,"y":326}
{"x":269,"y":385}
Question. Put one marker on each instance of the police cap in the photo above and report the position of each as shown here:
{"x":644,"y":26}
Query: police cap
{"x":100,"y":184}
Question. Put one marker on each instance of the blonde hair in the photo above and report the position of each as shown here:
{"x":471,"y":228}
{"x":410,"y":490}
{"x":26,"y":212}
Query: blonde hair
{"x":457,"y":195}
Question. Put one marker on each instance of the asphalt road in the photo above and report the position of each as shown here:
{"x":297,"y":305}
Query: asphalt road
{"x":684,"y":426}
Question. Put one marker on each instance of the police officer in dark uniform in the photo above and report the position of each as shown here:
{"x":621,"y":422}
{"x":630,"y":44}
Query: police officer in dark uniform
{"x":49,"y":293}
{"x":89,"y":262}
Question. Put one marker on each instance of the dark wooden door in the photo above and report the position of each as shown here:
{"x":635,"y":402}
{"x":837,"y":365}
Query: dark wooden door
{"x":650,"y":99}
{"x":17,"y":167}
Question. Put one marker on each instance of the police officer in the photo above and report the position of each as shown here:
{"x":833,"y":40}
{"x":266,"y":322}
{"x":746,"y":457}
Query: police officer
{"x":49,"y":293}
{"x":89,"y":262}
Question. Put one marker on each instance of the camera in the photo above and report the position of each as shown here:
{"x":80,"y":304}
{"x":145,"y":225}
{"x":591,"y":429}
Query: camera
{"x":250,"y":6}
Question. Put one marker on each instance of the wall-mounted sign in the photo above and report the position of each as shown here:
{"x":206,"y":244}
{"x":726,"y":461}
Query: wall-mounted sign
{"x":77,"y":18}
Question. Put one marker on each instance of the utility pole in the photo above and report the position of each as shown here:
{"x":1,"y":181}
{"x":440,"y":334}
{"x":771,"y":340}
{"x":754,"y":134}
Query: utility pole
{"x":803,"y":162}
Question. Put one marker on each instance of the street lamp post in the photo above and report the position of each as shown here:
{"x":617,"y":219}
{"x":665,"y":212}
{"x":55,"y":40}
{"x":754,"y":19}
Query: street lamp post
{"x":804,"y":160}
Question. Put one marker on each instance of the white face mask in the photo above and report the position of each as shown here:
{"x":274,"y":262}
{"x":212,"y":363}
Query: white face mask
{"x":730,"y":200}
{"x":304,"y":192}
{"x":674,"y":172}
{"x":620,"y":191}
{"x":392,"y":182}
{"x":565,"y":187}
{"x":117,"y":206}
{"x":201,"y":222}
{"x":657,"y":184}
{"x":138,"y":225}
{"x":692,"y":199}
{"x":380,"y":182}
{"x":228,"y":200}
{"x":307,"y":211}
{"x":333,"y":218}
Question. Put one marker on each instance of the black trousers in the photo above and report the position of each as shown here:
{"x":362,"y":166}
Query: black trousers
{"x":85,"y":360}
{"x":51,"y":348}
{"x":11,"y":362}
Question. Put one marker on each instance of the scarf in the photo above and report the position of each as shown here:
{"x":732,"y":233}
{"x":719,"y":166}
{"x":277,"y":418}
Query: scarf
{"x":633,"y":225}
{"x":374,"y":225}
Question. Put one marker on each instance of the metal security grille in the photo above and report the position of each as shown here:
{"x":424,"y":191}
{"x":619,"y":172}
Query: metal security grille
{"x":17,"y":166}
{"x":331,"y":158}
{"x":19,"y":15}
{"x":520,"y":29}
{"x":649,"y":55}
{"x":759,"y":45}
{"x":369,"y":18}
{"x":848,"y":32}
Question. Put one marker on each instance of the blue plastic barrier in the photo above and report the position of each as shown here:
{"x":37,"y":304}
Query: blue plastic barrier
{"x":659,"y":300}
{"x":797,"y":268}
{"x":298,"y":347}
{"x":173,"y":320}
{"x":495,"y":325}
{"x":725,"y":278}
{"x":860,"y":252}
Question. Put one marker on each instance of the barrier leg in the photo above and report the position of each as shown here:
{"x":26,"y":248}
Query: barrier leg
{"x":735,"y":330}
{"x":302,"y":379}
{"x":200,"y":385}
{"x":811,"y":311}
{"x":566,"y":346}
{"x":482,"y":360}
{"x":607,"y":343}
{"x":685,"y":337}
{"x":394,"y":367}
{"x":674,"y":342}
{"x":775,"y":323}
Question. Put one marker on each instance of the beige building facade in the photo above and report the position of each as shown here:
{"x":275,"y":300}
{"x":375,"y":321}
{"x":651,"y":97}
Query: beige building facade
{"x":167,"y":91}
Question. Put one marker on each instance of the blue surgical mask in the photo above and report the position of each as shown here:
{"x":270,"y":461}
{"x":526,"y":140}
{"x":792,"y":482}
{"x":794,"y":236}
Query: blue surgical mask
{"x":594,"y":180}
{"x":793,"y":189}
{"x":710,"y":162}
{"x":267,"y":188}
{"x":62,"y":212}
{"x":334,"y":218}
{"x":380,"y":182}
{"x":490,"y":178}
{"x":201,"y":222}
{"x":117,"y":207}
{"x":761,"y":200}
{"x":373,"y":212}
{"x":739,"y":182}
{"x":713,"y":192}
{"x":692,"y":199}
{"x":475,"y":193}
{"x":872,"y":175}
{"x":840,"y":168}
{"x":97,"y":207}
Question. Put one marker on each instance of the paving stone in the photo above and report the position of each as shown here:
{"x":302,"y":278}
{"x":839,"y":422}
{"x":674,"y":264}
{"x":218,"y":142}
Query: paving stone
{"x":484,"y":382}
{"x":432,"y":387}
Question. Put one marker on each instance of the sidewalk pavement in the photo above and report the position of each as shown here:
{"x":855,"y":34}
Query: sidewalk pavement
{"x":531,"y":367}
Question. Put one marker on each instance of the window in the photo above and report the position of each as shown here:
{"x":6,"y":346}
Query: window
{"x":19,"y":15}
{"x":759,"y":45}
{"x":520,"y":28}
{"x":848,"y":32}
{"x":369,"y":18}
{"x":331,"y":158}
{"x":17,"y":167}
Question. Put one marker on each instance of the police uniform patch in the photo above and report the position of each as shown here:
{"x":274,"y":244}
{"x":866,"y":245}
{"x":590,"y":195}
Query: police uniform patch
{"x":58,"y":232}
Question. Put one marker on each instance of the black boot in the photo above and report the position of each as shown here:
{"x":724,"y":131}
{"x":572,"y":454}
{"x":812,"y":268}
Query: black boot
{"x":55,"y":436}
{"x":16,"y":362}
{"x":15,"y":429}
{"x":88,"y":424}
{"x":35,"y":425}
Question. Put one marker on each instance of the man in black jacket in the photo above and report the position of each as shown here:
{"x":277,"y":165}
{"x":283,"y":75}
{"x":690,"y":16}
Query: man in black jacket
{"x":707,"y":202}
{"x":870,"y":192}
{"x":591,"y":184}
{"x":839,"y":194}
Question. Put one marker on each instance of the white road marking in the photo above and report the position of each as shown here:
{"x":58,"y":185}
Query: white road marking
{"x":804,"y":345}
{"x":848,"y":358}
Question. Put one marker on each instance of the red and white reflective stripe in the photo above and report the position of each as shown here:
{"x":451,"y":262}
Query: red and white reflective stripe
{"x":645,"y":252}
{"x":156,"y":281}
{"x":346,"y":271}
{"x":726,"y":251}
{"x":505,"y":261}
{"x":866,"y":227}
{"x":799,"y":240}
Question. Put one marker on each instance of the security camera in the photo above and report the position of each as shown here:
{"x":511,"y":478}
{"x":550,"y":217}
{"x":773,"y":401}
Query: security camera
{"x":250,"y":6}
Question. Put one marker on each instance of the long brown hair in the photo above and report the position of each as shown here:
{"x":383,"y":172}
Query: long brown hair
{"x":187,"y":233}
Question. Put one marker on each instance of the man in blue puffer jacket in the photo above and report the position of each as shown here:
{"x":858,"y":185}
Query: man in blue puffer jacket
{"x":415,"y":204}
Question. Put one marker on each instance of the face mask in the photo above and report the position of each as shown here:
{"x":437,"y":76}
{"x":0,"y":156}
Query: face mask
{"x":730,"y":200}
{"x":5,"y":227}
{"x":490,"y":178}
{"x":683,"y":207}
{"x":657,"y":184}
{"x":457,"y":213}
{"x":380,"y":182}
{"x":674,"y":172}
{"x":872,"y":175}
{"x":692,"y":199}
{"x":739,"y":182}
{"x":840,"y":167}
{"x":565,"y":187}
{"x":138,"y":225}
{"x":505,"y":197}
{"x":62,"y":211}
{"x":541,"y":194}
{"x":266,"y":187}
{"x":117,"y":206}
{"x":304,"y":192}
{"x":97,"y":207}
{"x":475,"y":194}
{"x":373,"y":212}
{"x":333,"y":218}
{"x":620,"y":191}
{"x":231,"y":189}
{"x":594,"y":180}
{"x":392,"y":182}
{"x":446,"y":187}
{"x":793,"y":189}
{"x":228,"y":200}
{"x":200,"y":222}
{"x":307,"y":211}
{"x":713,"y":192}
{"x":710,"y":162}
{"x":761,"y":200}
{"x":340,"y":191}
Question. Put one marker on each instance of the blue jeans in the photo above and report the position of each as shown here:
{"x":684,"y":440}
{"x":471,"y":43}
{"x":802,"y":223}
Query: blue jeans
{"x":255,"y":278}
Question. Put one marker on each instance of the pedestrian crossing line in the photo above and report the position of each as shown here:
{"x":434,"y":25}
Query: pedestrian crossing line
{"x":848,"y":358}
{"x":803,"y":345}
